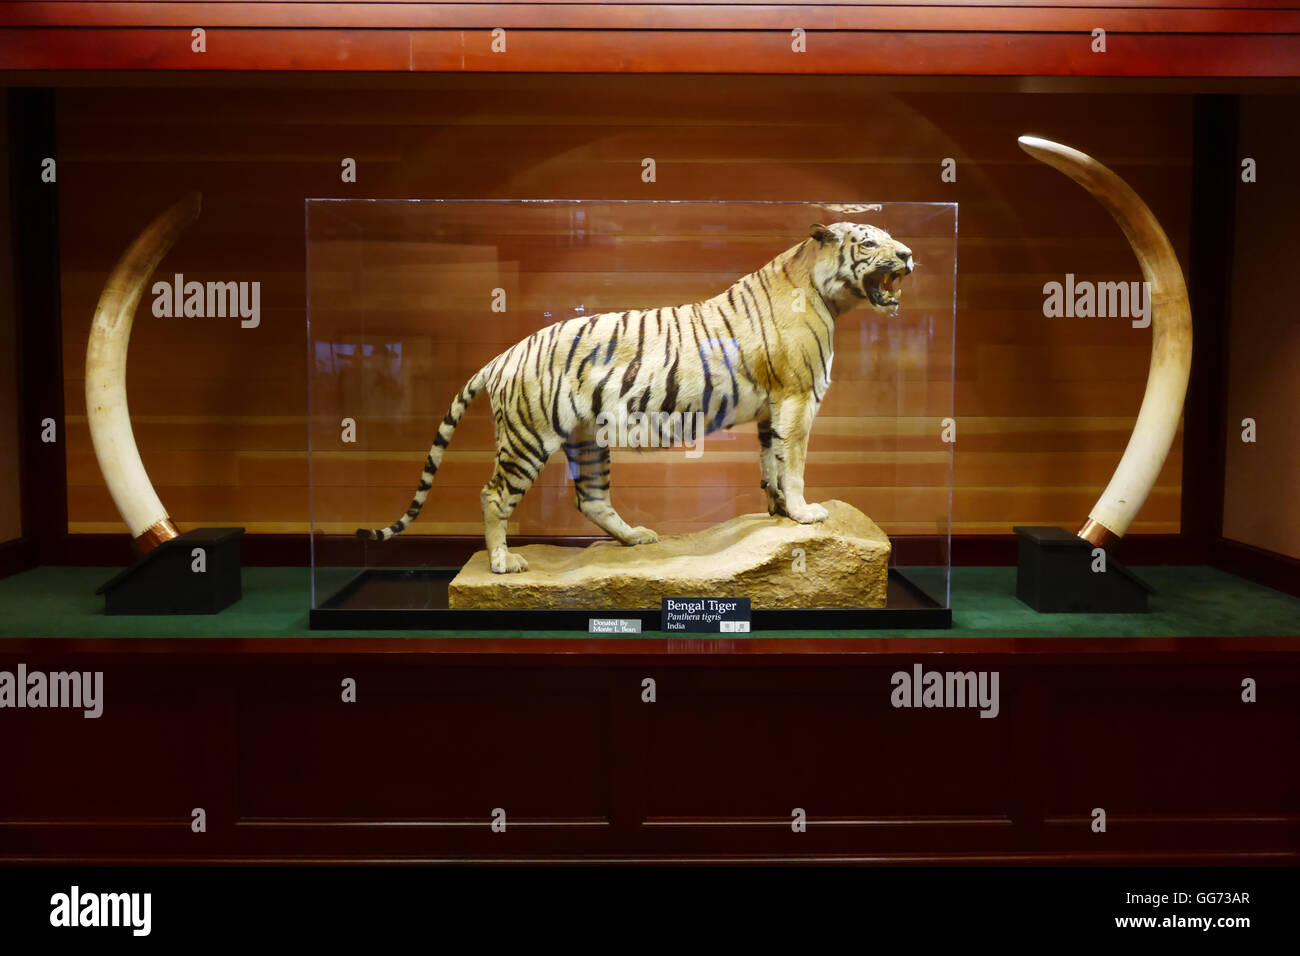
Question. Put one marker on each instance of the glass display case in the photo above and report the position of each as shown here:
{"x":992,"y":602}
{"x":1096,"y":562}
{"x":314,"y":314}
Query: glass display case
{"x":410,"y":302}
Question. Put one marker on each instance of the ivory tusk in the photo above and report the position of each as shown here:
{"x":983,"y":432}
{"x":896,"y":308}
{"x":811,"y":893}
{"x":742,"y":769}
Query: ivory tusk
{"x":106,"y":409}
{"x":1171,"y":340}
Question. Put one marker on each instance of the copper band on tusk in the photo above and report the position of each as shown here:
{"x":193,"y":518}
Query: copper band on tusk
{"x":155,"y":535}
{"x":1098,"y":535}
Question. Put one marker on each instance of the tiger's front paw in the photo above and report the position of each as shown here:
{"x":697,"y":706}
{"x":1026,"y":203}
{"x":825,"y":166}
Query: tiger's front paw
{"x":808,"y":514}
{"x":775,"y":500}
{"x":641,"y":535}
{"x":503,"y":562}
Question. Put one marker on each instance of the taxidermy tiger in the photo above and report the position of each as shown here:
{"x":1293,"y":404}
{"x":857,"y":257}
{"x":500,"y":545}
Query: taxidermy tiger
{"x":760,"y":351}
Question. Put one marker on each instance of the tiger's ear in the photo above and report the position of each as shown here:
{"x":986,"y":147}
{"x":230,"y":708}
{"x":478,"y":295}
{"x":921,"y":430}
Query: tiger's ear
{"x":822,"y":234}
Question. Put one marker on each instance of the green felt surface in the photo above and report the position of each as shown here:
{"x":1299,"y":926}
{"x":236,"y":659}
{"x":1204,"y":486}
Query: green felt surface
{"x":1190,"y":601}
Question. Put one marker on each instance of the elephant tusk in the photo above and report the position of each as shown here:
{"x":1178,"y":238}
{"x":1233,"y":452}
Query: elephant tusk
{"x":1171,"y":340}
{"x":106,"y":408}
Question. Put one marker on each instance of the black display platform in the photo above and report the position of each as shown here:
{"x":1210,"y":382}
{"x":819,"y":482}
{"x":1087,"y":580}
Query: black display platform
{"x":415,"y":598}
{"x":163,"y":581}
{"x":1054,"y":575}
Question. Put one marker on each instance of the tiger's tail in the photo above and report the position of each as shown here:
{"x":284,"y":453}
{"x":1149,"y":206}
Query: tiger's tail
{"x":440,"y":442}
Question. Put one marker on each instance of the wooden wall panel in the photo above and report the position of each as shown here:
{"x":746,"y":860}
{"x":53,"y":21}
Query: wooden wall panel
{"x":1260,"y":504}
{"x":1044,"y":405}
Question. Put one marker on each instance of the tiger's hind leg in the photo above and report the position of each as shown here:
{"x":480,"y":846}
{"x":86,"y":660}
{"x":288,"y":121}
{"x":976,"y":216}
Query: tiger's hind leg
{"x":512,"y":476}
{"x":589,"y":468}
{"x":499,"y":497}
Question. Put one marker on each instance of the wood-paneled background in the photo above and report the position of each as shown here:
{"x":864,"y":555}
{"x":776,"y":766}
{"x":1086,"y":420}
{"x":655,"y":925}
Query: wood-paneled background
{"x":1044,"y":406}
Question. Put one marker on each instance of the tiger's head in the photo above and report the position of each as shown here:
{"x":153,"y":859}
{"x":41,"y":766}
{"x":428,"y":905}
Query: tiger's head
{"x":856,"y":261}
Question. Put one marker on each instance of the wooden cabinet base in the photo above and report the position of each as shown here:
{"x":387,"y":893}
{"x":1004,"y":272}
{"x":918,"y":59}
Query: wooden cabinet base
{"x":411,"y":749}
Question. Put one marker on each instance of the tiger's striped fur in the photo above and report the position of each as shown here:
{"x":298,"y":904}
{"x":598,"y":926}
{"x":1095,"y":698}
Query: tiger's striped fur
{"x":761,"y":350}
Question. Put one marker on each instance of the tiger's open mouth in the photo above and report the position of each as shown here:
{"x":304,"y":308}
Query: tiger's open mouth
{"x":885,"y":288}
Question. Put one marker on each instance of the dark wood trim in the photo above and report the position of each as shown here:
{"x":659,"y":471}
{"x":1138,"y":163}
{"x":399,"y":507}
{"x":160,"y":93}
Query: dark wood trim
{"x":977,"y":52}
{"x":1269,"y":568}
{"x":40,"y":323}
{"x":1075,"y":858}
{"x":16,"y":556}
{"x":812,"y":15}
{"x":319,"y":80}
{"x":751,"y":652}
{"x":1209,"y":281}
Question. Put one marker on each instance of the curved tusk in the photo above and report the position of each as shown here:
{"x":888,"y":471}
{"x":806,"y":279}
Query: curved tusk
{"x":1171,"y":340}
{"x":106,"y":410}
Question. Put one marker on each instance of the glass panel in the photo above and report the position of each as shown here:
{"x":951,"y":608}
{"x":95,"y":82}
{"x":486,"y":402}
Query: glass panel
{"x":408,"y":300}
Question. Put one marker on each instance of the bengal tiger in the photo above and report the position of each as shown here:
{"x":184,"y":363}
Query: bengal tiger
{"x":761,"y":350}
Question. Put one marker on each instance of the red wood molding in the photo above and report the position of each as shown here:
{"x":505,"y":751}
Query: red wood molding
{"x":1192,"y":38}
{"x":730,"y":15}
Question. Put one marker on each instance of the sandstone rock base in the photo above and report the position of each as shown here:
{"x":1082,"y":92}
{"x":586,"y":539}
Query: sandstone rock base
{"x":845,"y":564}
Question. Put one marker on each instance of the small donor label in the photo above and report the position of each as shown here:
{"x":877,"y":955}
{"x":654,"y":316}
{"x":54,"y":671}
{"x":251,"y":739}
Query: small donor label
{"x":613,"y":625}
{"x":705,"y":615}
